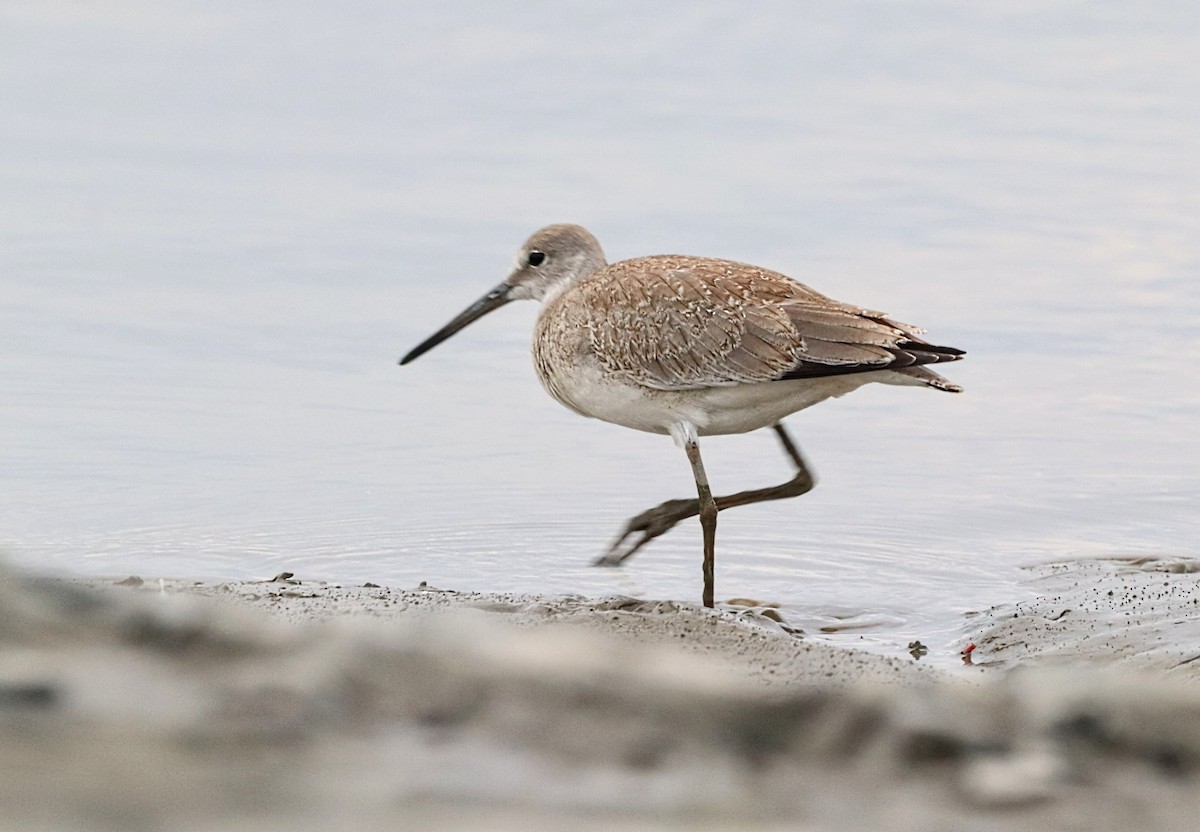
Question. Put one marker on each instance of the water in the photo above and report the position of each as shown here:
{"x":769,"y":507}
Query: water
{"x":222,"y":225}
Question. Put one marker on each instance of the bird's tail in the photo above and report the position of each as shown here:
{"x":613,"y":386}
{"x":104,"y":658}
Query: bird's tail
{"x":925,"y":377}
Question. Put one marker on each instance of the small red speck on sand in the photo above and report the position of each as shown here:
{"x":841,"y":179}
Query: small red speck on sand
{"x":966,"y":653}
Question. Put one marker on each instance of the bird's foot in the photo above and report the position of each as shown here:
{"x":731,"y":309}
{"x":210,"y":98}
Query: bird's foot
{"x":646,"y":526}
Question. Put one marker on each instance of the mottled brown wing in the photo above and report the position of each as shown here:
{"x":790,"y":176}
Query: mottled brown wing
{"x":678,"y":323}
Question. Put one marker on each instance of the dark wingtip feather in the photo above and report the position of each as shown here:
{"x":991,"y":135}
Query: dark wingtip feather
{"x":943,"y":353}
{"x":904,"y":354}
{"x":917,"y":353}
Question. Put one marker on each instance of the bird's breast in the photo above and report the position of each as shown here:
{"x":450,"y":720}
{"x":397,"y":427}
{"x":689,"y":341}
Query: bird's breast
{"x":569,"y":369}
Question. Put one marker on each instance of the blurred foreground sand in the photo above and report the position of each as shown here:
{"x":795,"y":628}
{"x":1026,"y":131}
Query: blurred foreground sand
{"x":290,"y":705}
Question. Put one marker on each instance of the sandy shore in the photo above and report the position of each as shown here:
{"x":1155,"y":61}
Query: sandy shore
{"x":287,"y":704}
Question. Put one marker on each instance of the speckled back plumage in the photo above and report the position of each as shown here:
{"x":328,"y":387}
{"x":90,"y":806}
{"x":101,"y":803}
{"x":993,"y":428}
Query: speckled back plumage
{"x":675,"y":323}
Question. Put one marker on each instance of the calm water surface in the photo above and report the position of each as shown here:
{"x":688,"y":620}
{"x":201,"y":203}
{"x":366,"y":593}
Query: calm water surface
{"x":223,"y":224}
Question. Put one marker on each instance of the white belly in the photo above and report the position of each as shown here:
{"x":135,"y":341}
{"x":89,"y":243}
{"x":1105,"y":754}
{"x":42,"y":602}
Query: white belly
{"x":736,"y":408}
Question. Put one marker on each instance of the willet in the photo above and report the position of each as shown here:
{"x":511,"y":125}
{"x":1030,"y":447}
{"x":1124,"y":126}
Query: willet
{"x":691,"y":347}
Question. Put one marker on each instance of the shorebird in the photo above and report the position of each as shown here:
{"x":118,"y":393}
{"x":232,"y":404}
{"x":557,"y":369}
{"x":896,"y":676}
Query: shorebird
{"x":691,"y":347}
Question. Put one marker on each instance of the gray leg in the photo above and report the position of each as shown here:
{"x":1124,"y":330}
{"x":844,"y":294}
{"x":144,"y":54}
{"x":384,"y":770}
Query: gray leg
{"x":708,"y":519}
{"x":648,"y":525}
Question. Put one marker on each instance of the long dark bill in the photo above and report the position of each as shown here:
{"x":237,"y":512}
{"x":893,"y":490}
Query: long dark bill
{"x":492,"y":300}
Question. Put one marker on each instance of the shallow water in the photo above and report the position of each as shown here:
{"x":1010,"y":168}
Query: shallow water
{"x":222,"y":227}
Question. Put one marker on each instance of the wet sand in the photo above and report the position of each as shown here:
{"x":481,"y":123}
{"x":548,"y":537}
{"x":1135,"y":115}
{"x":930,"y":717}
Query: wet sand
{"x":288,"y":704}
{"x":1135,"y":613}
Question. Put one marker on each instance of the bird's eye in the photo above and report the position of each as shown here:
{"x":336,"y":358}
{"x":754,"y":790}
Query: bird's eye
{"x":536,"y":258}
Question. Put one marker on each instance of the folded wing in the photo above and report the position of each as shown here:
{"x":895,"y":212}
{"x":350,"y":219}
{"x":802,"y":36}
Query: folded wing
{"x":680,"y":323}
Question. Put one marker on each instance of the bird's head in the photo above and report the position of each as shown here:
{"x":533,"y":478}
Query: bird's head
{"x":551,"y":260}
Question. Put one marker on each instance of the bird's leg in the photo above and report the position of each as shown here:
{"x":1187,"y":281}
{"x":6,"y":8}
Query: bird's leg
{"x":708,"y":517}
{"x":648,"y":525}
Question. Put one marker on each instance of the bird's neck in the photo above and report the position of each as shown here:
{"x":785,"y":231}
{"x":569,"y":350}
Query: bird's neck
{"x":583,"y":267}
